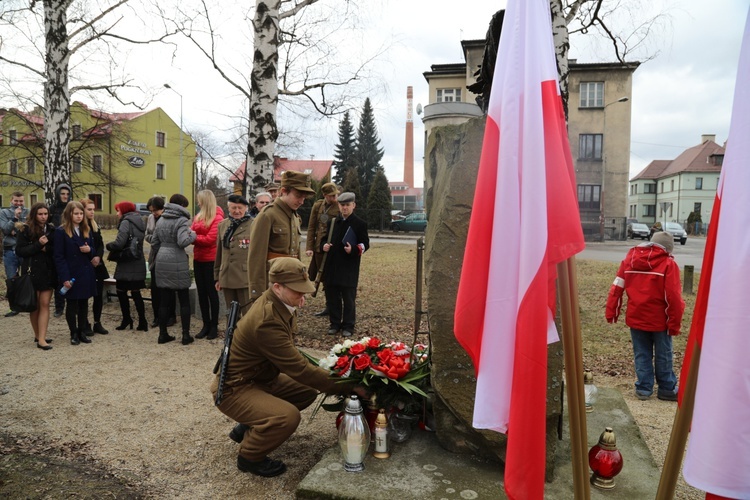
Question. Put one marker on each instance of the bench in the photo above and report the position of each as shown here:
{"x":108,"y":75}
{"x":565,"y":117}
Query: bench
{"x":110,"y":287}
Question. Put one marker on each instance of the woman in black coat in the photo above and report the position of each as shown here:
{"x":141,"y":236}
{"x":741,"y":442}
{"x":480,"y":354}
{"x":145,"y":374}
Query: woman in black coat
{"x":130,"y":275}
{"x":34,"y":246}
{"x":74,"y":249}
{"x":100,"y":270}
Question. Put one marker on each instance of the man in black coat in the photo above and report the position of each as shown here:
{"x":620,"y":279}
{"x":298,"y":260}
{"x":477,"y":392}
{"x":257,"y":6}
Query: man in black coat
{"x":349,"y":241}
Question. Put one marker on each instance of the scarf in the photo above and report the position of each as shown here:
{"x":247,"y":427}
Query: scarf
{"x":233,"y":225}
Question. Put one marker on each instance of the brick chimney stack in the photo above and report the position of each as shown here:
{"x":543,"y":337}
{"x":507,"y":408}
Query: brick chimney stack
{"x":409,"y":140}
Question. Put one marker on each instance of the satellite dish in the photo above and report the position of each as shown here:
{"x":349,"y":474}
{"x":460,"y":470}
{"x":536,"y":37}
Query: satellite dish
{"x":419,"y":109}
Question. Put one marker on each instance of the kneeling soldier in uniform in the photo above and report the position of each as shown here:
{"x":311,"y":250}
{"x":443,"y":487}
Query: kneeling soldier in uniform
{"x":268,"y":381}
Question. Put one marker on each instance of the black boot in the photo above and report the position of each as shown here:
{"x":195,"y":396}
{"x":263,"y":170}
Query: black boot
{"x":87,"y":331}
{"x":139,"y":306}
{"x":127,"y":321}
{"x":213,"y":332}
{"x":164,"y":337}
{"x":83,"y":338}
{"x":204,"y":331}
{"x":98,"y":328}
{"x":74,"y":338}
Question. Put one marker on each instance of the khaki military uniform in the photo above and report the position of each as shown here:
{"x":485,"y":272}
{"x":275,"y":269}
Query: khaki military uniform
{"x":268,"y":381}
{"x":276,"y":233}
{"x":317,"y":232}
{"x":230,"y":266}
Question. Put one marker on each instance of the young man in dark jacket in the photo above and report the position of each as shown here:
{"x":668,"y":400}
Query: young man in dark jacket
{"x":651,"y":279}
{"x":63,"y":194}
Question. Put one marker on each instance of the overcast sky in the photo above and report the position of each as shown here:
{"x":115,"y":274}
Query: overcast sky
{"x":685,"y":91}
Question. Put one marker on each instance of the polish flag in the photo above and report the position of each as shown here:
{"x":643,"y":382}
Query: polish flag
{"x":524,"y":221}
{"x":718,"y":453}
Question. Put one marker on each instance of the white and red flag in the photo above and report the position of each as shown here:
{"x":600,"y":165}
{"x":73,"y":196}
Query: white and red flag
{"x":718,"y":453}
{"x":523,"y":222}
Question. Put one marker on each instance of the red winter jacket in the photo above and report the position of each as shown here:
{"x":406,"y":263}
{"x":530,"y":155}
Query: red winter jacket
{"x":204,"y":249}
{"x":651,"y":279}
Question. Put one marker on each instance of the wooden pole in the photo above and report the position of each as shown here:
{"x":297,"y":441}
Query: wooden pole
{"x":683,"y":417}
{"x":570,"y":337}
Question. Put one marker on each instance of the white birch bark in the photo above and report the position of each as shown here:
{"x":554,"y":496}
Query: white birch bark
{"x":562,"y":46}
{"x":56,"y":97}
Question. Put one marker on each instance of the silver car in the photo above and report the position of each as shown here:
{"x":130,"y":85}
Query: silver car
{"x":677,"y":232}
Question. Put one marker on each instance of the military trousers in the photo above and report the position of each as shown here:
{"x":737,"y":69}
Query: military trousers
{"x":241,"y":295}
{"x":270,"y":410}
{"x":315,"y":261}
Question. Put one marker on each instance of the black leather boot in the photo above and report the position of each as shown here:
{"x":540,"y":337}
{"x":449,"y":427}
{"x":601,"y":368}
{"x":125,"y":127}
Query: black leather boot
{"x":87,"y":331}
{"x":204,"y":331}
{"x":213,"y":332}
{"x":83,"y":338}
{"x":98,"y":328}
{"x":74,"y":338}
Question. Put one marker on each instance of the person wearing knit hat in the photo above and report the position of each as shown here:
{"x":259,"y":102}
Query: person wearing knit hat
{"x":268,"y":381}
{"x":651,"y":279}
{"x":324,"y":210}
{"x":665,"y":240}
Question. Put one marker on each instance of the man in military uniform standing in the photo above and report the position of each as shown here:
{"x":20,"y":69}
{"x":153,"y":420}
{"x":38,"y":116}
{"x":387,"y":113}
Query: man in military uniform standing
{"x":230,"y":265}
{"x":268,"y":382}
{"x":325,"y":209}
{"x":276,"y":230}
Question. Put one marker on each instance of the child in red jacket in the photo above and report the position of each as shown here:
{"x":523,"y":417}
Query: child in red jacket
{"x":651,"y":279}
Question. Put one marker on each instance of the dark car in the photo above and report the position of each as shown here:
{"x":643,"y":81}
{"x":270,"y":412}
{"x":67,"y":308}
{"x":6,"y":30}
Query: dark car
{"x":636,"y":230}
{"x":677,"y":232}
{"x":412,"y":222}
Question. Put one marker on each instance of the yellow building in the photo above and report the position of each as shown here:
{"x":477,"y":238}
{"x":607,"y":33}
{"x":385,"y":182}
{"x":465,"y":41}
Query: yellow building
{"x":113,"y":156}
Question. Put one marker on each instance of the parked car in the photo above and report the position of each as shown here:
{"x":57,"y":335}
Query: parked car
{"x":636,"y":230}
{"x":677,"y":232}
{"x":142,"y":208}
{"x":413,"y":222}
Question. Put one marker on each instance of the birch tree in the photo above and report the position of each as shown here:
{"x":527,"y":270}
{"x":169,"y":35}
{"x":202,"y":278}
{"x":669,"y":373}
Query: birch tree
{"x":76,"y":33}
{"x":300,"y":60}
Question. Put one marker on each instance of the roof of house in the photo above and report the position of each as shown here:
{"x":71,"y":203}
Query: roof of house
{"x":318,"y":169}
{"x":695,"y":159}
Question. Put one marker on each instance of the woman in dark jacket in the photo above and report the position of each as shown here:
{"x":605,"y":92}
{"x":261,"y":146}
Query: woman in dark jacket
{"x":171,"y":265}
{"x":35,"y":248}
{"x":74,"y":249}
{"x":130,"y":275}
{"x":89,"y":208}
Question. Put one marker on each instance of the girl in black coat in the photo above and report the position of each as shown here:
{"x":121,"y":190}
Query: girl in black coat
{"x":100,"y":270}
{"x":34,"y":246}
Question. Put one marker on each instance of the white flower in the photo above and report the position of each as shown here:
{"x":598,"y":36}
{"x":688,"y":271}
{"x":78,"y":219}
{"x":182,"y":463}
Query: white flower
{"x":337,"y":349}
{"x":364,"y":340}
{"x":329,"y":362}
{"x":348,"y":343}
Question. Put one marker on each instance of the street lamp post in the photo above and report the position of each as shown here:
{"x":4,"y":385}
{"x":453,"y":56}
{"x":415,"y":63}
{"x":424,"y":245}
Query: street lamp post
{"x":604,"y":167}
{"x":182,"y":165}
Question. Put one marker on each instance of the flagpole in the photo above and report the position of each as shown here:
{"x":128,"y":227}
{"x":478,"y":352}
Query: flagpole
{"x":571,"y":339}
{"x":680,"y":428}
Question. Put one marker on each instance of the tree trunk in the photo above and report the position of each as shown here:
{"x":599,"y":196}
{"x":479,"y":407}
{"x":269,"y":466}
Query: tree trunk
{"x":56,"y":97}
{"x":562,"y":46}
{"x":262,"y":133}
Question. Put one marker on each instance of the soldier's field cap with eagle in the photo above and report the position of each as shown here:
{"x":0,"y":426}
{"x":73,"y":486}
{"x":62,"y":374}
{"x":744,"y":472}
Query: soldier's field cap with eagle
{"x":329,"y":188}
{"x":297,"y":180}
{"x":292,"y":273}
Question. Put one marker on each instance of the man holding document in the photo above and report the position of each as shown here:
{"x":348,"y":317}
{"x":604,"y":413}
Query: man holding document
{"x":348,"y":242}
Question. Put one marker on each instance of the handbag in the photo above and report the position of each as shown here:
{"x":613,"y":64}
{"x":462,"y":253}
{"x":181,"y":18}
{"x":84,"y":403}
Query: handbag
{"x":130,"y":253}
{"x":21,"y":293}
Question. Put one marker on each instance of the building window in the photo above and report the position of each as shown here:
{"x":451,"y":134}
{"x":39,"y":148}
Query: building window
{"x":33,"y":199}
{"x":96,"y":163}
{"x":649,"y":188}
{"x":77,"y":131}
{"x":592,"y":94}
{"x":635,"y":188}
{"x":590,"y":147}
{"x":588,"y":196}
{"x":97,"y":199}
{"x":699,"y":183}
{"x":160,"y":171}
{"x":161,"y":139}
{"x":671,"y":185}
{"x":12,"y":137}
{"x":30,"y":166}
{"x":13,"y":166}
{"x":649,"y":210}
{"x":662,"y":187}
{"x":697,"y":208}
{"x":448,"y":95}
{"x":75,"y":164}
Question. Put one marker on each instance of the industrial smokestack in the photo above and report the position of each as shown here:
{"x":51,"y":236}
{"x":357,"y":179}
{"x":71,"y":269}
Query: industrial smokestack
{"x":409,"y":140}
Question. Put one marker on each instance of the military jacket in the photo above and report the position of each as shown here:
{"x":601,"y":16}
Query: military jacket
{"x":230,"y":266}
{"x":263,"y":347}
{"x":317,"y":228}
{"x":275,"y":233}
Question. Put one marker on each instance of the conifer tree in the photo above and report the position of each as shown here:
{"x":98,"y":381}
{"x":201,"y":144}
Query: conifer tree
{"x":369,"y":152}
{"x":345,"y":151}
{"x":379,"y":202}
